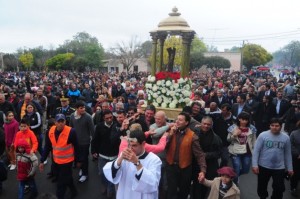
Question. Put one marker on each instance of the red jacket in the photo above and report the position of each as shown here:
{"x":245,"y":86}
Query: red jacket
{"x":26,"y":162}
{"x":10,"y":130}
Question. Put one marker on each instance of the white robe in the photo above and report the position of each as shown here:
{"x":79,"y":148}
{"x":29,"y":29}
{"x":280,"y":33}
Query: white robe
{"x":129,"y":186}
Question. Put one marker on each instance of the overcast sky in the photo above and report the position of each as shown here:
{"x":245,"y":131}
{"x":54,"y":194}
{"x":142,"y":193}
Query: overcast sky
{"x":31,"y":23}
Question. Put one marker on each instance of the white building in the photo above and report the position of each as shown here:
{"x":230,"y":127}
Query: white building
{"x":114,"y":65}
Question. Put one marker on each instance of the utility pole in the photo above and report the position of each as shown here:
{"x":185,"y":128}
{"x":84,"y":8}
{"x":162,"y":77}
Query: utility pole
{"x":2,"y":63}
{"x":242,"y":56}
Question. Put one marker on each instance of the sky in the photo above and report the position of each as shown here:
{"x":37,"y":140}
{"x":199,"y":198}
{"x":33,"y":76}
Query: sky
{"x":48,"y":23}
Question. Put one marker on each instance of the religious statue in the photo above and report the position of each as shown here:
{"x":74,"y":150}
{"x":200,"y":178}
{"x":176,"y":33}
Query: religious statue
{"x":171,"y":57}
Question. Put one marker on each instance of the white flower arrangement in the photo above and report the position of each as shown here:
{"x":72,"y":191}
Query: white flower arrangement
{"x":168,"y":93}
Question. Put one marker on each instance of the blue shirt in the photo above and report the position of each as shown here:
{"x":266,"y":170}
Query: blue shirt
{"x":272,"y":151}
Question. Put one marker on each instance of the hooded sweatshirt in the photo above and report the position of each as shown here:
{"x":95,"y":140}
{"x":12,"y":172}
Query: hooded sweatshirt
{"x":27,"y":162}
{"x":10,"y":128}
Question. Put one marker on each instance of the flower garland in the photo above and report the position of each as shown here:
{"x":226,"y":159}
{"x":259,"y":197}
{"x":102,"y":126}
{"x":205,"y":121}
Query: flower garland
{"x":168,"y":92}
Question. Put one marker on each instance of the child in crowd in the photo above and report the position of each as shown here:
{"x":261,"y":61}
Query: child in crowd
{"x":11,"y":127}
{"x":27,"y":164}
{"x":26,"y":134}
{"x":222,"y":187}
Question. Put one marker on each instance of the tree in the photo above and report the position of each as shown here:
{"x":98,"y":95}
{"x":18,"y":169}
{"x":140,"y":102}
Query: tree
{"x":27,"y":60}
{"x":212,"y":48}
{"x":197,"y":60}
{"x":198,"y":46}
{"x":255,"y":55}
{"x":289,"y":55}
{"x":60,"y":61}
{"x":127,"y":53}
{"x":217,"y":62}
{"x":235,"y":49}
{"x":10,"y":62}
{"x":40,"y":55}
{"x":146,"y":48}
{"x":85,"y":47}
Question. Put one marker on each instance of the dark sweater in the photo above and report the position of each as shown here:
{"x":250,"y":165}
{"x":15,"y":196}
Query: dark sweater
{"x":84,"y":128}
{"x":104,"y":142}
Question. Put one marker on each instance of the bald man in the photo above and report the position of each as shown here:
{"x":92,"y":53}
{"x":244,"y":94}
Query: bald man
{"x":28,"y":98}
{"x":158,"y":129}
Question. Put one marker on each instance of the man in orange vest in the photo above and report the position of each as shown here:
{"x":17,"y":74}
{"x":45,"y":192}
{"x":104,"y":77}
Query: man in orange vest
{"x":182,"y":144}
{"x":62,"y":141}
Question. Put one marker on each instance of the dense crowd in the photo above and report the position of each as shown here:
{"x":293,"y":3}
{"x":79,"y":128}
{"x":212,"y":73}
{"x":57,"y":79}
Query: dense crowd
{"x":235,"y":122}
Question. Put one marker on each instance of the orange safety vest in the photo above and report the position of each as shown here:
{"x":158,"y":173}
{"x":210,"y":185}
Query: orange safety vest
{"x":185,"y":150}
{"x":62,"y":151}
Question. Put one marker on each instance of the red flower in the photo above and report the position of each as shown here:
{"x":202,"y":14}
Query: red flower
{"x":164,"y":75}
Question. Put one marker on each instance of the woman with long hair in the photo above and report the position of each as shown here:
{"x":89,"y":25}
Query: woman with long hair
{"x":11,"y":127}
{"x":35,"y":120}
{"x":241,"y":137}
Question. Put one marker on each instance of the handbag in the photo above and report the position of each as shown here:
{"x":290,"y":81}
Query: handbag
{"x":239,"y":148}
{"x":3,"y":172}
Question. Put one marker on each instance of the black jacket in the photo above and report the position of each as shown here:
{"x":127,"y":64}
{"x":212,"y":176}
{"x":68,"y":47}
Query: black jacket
{"x":7,"y":106}
{"x":284,"y":107}
{"x":220,"y":127}
{"x":212,"y":150}
{"x":34,"y":122}
{"x":235,"y":108}
{"x":103,"y":141}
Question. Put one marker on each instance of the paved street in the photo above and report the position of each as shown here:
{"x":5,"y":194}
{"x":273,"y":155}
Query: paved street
{"x":91,"y":189}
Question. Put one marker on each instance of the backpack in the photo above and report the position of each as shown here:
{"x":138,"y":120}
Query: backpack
{"x":3,"y":172}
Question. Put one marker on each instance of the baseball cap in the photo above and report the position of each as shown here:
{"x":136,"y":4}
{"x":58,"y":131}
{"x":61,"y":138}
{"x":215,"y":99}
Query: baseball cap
{"x":132,"y":97}
{"x":60,"y":117}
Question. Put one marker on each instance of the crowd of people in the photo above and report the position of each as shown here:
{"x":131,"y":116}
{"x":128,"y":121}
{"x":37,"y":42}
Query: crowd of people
{"x":235,"y":122}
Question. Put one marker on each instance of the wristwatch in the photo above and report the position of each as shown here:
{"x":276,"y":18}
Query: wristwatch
{"x":138,"y":163}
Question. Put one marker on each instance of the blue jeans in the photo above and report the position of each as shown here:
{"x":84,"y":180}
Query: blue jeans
{"x":39,"y":138}
{"x":32,"y":185}
{"x":241,"y":165}
{"x":108,"y":185}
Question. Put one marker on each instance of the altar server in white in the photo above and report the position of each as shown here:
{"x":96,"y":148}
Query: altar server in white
{"x":136,"y":171}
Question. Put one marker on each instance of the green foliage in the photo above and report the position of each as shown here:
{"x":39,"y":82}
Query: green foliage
{"x":198,"y":46}
{"x":255,"y":55}
{"x":85,"y":46}
{"x":217,"y":62}
{"x":173,"y":41}
{"x":60,"y":61}
{"x":235,"y":49}
{"x":212,"y":48}
{"x":27,"y":60}
{"x":197,"y":60}
{"x":40,"y":55}
{"x":10,"y":62}
{"x":146,"y":48}
{"x":289,"y":55}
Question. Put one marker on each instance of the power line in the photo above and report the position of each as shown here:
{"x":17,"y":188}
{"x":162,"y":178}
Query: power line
{"x":253,"y":39}
{"x":269,"y":34}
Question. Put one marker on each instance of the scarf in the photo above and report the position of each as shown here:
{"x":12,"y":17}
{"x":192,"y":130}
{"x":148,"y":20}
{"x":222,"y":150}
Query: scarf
{"x":223,"y":189}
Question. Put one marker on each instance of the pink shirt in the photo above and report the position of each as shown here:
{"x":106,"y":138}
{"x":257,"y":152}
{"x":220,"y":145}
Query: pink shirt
{"x":157,"y":148}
